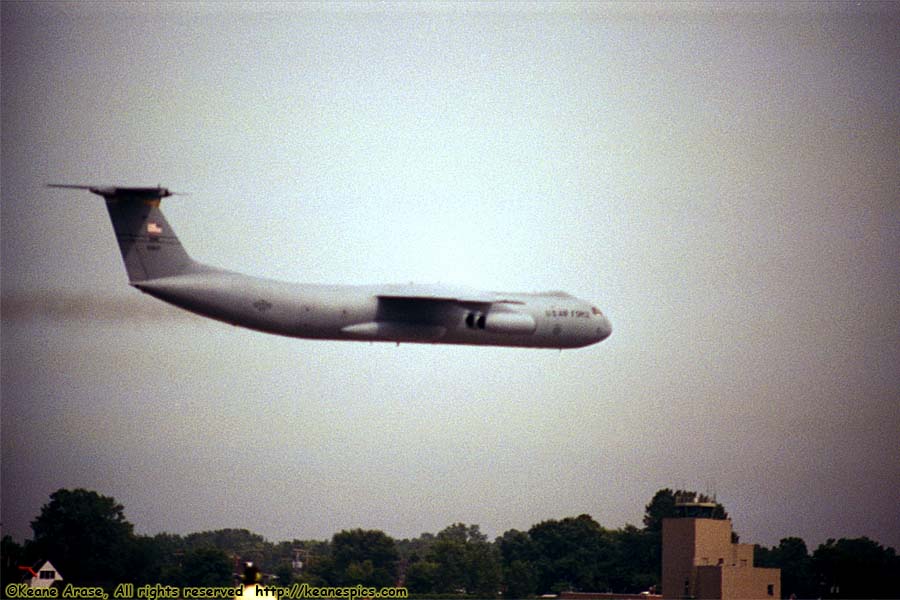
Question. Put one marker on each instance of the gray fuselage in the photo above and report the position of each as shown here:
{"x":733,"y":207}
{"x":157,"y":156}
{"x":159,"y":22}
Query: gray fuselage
{"x":395,"y":313}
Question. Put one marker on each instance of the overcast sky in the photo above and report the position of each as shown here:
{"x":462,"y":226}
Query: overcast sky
{"x":722,"y":180}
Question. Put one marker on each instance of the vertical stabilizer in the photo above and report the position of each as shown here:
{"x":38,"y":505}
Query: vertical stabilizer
{"x":149,"y":246}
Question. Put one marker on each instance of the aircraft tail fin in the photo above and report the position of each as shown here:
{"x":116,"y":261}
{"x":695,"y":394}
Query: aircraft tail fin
{"x":149,"y":246}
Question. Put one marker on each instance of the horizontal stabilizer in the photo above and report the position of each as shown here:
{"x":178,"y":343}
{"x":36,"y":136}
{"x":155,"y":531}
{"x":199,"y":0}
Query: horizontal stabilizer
{"x":111,"y":191}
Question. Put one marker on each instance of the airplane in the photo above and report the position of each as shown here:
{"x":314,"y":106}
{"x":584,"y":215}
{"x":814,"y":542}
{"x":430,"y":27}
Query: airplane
{"x":158,"y":265}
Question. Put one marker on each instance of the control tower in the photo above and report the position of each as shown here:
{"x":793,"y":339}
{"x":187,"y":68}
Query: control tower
{"x":696,"y":506}
{"x":700,"y":561}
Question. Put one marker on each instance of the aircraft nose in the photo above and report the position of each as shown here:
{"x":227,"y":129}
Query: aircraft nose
{"x":604,"y":329}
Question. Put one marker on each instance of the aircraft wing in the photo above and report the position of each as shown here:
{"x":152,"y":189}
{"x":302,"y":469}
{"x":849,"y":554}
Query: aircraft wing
{"x":421,"y":313}
{"x":437,"y":298}
{"x":110,"y":191}
{"x":437,"y":294}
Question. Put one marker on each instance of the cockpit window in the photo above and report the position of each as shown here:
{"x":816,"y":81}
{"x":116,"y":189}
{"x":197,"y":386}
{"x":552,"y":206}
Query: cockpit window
{"x":596,"y":311}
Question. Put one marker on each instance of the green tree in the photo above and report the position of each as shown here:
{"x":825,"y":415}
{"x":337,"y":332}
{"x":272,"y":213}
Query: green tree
{"x":242,"y":543}
{"x":320,"y":572}
{"x":422,"y":577}
{"x":662,"y":506}
{"x":518,"y":554}
{"x":466,"y":561}
{"x":85,"y":535}
{"x":145,"y":561}
{"x":206,"y":567}
{"x":520,"y":579}
{"x":516,"y":545}
{"x":415,"y":549}
{"x":168,"y":553}
{"x":856,"y":568}
{"x":367,"y":557}
{"x":636,"y":554}
{"x":317,"y":562}
{"x":284,"y":574}
{"x":484,"y":573}
{"x":449,"y":553}
{"x":11,"y":556}
{"x":573,"y":554}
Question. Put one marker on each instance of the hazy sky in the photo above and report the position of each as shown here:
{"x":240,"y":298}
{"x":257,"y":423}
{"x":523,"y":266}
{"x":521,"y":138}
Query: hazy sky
{"x":722,"y":180}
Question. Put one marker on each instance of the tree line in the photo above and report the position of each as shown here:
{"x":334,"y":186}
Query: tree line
{"x":86,"y":536}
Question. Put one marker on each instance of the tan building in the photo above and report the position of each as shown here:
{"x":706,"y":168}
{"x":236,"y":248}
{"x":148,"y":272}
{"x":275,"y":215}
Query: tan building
{"x":699,"y":561}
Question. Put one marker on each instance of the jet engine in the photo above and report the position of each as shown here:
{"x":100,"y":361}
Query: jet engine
{"x":502,"y":322}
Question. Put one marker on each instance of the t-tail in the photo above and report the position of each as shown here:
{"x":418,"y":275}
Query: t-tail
{"x":150,"y":248}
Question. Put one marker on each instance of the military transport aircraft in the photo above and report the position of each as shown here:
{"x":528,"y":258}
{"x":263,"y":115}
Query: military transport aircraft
{"x":158,"y":265}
